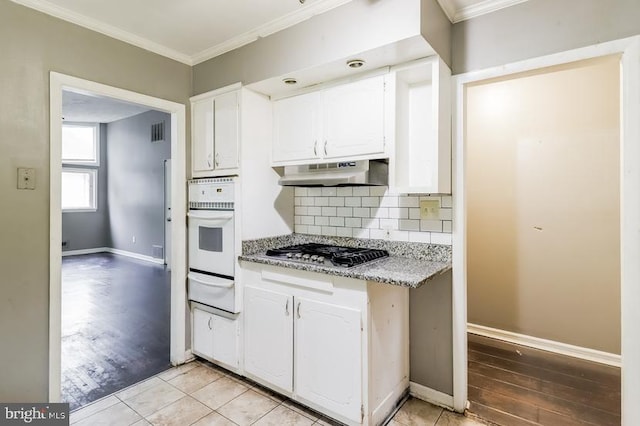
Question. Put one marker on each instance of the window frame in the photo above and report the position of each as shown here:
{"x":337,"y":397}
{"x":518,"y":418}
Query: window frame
{"x":93,"y":173}
{"x":96,"y":144}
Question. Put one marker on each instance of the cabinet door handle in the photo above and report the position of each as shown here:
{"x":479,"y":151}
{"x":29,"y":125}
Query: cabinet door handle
{"x":315,"y":148}
{"x":209,"y":324}
{"x":325,"y":147}
{"x":209,"y":160}
{"x":286,"y":308}
{"x":217,"y":159}
{"x":298,"y":309}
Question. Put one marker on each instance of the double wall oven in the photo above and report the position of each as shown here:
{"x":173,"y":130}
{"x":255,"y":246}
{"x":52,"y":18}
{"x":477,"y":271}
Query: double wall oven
{"x":212,"y":251}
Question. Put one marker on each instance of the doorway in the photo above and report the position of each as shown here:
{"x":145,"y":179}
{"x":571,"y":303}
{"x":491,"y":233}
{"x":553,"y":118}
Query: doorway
{"x":114,"y":201}
{"x":543,"y":239}
{"x":177,"y":302}
{"x":629,"y":208}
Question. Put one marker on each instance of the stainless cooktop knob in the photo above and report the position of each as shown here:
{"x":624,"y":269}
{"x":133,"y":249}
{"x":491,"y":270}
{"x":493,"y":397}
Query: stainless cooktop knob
{"x":298,"y":255}
{"x":314,"y":257}
{"x":320,"y":259}
{"x":289,"y":255}
{"x":306,"y":257}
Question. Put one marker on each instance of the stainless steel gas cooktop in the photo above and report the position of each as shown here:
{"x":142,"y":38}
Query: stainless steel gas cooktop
{"x":325,"y":254}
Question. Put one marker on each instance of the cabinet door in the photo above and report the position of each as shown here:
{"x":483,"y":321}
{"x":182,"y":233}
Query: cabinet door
{"x":329,"y":356}
{"x":354,"y":119}
{"x":202,"y":135}
{"x":269,"y":336}
{"x":296,"y":132}
{"x":225,"y":341}
{"x":226,"y":131}
{"x":202,"y":333}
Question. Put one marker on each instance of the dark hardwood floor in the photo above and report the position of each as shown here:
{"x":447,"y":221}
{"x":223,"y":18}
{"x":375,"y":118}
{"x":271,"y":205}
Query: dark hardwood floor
{"x":115,"y":324}
{"x":515,"y":385}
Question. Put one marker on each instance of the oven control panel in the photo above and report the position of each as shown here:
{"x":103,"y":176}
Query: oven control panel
{"x":215,"y":193}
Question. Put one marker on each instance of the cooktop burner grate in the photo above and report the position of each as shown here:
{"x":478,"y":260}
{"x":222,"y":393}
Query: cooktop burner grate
{"x":323,"y":253}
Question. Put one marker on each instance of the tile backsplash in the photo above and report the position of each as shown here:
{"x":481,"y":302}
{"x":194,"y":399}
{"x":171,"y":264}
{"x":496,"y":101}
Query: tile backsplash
{"x":370,"y":212}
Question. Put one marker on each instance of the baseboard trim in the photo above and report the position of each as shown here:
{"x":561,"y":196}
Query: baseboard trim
{"x":85,"y":251}
{"x":432,"y":396}
{"x":136,"y":256}
{"x":114,"y":251}
{"x":547,"y":345}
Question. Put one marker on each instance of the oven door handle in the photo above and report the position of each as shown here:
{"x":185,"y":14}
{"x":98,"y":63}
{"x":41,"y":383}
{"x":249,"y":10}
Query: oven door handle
{"x":198,"y":278}
{"x":211,"y":218}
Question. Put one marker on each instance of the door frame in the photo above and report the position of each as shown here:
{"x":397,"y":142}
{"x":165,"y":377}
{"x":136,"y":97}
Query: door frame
{"x":629,"y":48}
{"x":58,"y":83}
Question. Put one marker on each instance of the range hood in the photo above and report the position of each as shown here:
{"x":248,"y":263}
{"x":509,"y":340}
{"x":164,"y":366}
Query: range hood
{"x":347,"y":173}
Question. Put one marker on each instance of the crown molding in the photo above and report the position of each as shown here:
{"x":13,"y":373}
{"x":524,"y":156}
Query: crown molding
{"x":448,"y":8}
{"x":108,"y":30}
{"x":271,"y":27}
{"x":473,"y":11}
{"x":267,"y":29}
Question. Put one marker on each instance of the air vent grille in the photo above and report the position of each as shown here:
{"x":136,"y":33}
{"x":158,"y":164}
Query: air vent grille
{"x":157,"y":132}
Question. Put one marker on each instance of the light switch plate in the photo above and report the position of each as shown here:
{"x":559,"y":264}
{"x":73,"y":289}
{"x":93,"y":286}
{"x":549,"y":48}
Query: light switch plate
{"x":430,"y":209}
{"x":26,"y":178}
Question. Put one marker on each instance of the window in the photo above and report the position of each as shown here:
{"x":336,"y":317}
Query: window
{"x":80,"y":147}
{"x":79,"y":189}
{"x":80,"y":144}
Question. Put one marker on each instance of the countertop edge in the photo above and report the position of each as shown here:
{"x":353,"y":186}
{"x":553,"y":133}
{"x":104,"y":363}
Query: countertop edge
{"x":385,"y":277}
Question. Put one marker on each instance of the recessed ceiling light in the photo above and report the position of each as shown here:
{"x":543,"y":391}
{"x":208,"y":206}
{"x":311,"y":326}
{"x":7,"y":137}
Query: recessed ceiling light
{"x":289,"y":80}
{"x":355,"y":63}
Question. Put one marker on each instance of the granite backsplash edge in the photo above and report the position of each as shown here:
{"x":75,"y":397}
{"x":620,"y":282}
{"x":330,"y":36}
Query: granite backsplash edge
{"x":411,"y":250}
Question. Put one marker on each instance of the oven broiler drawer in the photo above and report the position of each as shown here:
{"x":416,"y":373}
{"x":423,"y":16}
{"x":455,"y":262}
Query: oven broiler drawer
{"x":212,"y":291}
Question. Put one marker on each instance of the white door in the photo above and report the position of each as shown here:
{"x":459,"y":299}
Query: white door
{"x":226,"y":131}
{"x":354,"y":119}
{"x":329,"y":357}
{"x":167,"y":213}
{"x":268,"y":331}
{"x":202,"y":136}
{"x":202,"y":338}
{"x":296,"y":128}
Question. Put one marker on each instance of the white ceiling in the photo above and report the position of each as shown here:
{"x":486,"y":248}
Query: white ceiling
{"x":88,"y":108}
{"x":193,"y":31}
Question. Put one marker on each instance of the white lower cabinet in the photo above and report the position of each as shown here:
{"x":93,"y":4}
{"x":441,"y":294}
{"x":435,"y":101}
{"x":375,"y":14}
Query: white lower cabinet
{"x":337,"y":345}
{"x":214,"y":336}
{"x":329,"y":356}
{"x":268,"y":333}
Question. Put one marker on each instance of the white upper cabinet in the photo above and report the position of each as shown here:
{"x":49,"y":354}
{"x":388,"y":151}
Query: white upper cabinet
{"x":225,"y":131}
{"x":215,"y":134}
{"x":344,"y":122}
{"x":422,"y":159}
{"x":296,"y":128}
{"x":354,"y":119}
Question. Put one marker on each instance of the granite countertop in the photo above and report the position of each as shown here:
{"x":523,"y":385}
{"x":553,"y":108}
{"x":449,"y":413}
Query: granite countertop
{"x":408,"y":265}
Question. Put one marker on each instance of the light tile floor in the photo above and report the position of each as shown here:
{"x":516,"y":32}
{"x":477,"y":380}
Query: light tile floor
{"x":202,"y":394}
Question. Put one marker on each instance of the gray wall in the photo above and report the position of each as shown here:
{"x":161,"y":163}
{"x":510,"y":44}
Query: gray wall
{"x":436,"y":29}
{"x":353,"y":28}
{"x":136,"y":182}
{"x":32,"y":44}
{"x":86,"y":230}
{"x":540,"y":27}
{"x":431,"y":334}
